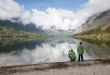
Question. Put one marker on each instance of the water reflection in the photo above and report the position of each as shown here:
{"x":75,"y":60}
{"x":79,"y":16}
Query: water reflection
{"x":39,"y":51}
{"x":101,"y":43}
{"x":19,"y":46}
{"x":98,"y":49}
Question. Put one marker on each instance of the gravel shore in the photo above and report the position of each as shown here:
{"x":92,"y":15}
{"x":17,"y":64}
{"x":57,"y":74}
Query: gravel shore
{"x":88,"y":67}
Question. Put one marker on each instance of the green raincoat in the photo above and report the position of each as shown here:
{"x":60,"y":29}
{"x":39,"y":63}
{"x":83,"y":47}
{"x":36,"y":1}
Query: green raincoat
{"x":80,"y":49}
{"x":72,"y":55}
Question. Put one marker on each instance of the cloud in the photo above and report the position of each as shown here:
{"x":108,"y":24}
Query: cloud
{"x":66,"y":19}
{"x":10,"y":9}
{"x":45,"y":53}
{"x":95,"y":6}
{"x":61,"y":19}
{"x":41,"y":54}
{"x":26,"y":17}
{"x":92,"y":7}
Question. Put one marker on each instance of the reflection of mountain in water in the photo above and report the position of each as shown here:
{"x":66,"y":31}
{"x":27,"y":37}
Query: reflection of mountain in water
{"x":37,"y":51}
{"x":97,"y":50}
{"x":101,"y":43}
{"x":46,"y":51}
{"x":18,"y":46}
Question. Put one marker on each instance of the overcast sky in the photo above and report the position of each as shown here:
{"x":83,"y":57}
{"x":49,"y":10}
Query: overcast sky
{"x":62,"y":14}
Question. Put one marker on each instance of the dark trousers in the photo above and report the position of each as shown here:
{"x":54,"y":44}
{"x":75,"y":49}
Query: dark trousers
{"x":80,"y":58}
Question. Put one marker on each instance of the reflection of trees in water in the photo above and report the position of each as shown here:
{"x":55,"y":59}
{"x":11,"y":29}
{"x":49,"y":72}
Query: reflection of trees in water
{"x":9,"y":45}
{"x":97,"y":50}
{"x":98,"y":42}
{"x":18,"y":45}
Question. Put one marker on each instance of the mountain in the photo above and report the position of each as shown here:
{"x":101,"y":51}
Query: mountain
{"x":13,"y":30}
{"x":19,"y":26}
{"x":97,"y":28}
{"x":97,"y":22}
{"x":30,"y":27}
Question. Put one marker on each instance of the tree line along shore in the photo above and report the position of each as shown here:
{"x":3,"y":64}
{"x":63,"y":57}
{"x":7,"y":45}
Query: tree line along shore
{"x":101,"y":33}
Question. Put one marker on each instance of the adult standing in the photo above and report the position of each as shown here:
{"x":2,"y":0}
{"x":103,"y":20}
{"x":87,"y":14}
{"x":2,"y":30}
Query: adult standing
{"x":80,"y":50}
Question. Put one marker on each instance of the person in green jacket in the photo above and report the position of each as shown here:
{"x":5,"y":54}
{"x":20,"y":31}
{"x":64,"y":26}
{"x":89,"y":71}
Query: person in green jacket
{"x":80,"y":50}
{"x":71,"y":55}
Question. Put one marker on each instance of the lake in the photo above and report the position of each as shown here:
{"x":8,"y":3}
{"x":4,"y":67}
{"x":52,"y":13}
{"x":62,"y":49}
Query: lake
{"x":48,"y":50}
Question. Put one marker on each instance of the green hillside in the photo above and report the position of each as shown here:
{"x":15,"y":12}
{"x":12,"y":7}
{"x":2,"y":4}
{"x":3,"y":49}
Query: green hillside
{"x":6,"y":32}
{"x":99,"y":29}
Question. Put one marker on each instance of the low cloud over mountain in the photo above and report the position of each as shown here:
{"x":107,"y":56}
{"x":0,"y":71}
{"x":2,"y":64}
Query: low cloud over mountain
{"x":62,"y":19}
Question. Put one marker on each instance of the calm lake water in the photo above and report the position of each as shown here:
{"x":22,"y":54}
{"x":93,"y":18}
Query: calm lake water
{"x":48,"y":51}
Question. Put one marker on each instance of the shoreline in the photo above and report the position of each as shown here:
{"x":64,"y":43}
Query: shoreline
{"x":30,"y":68}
